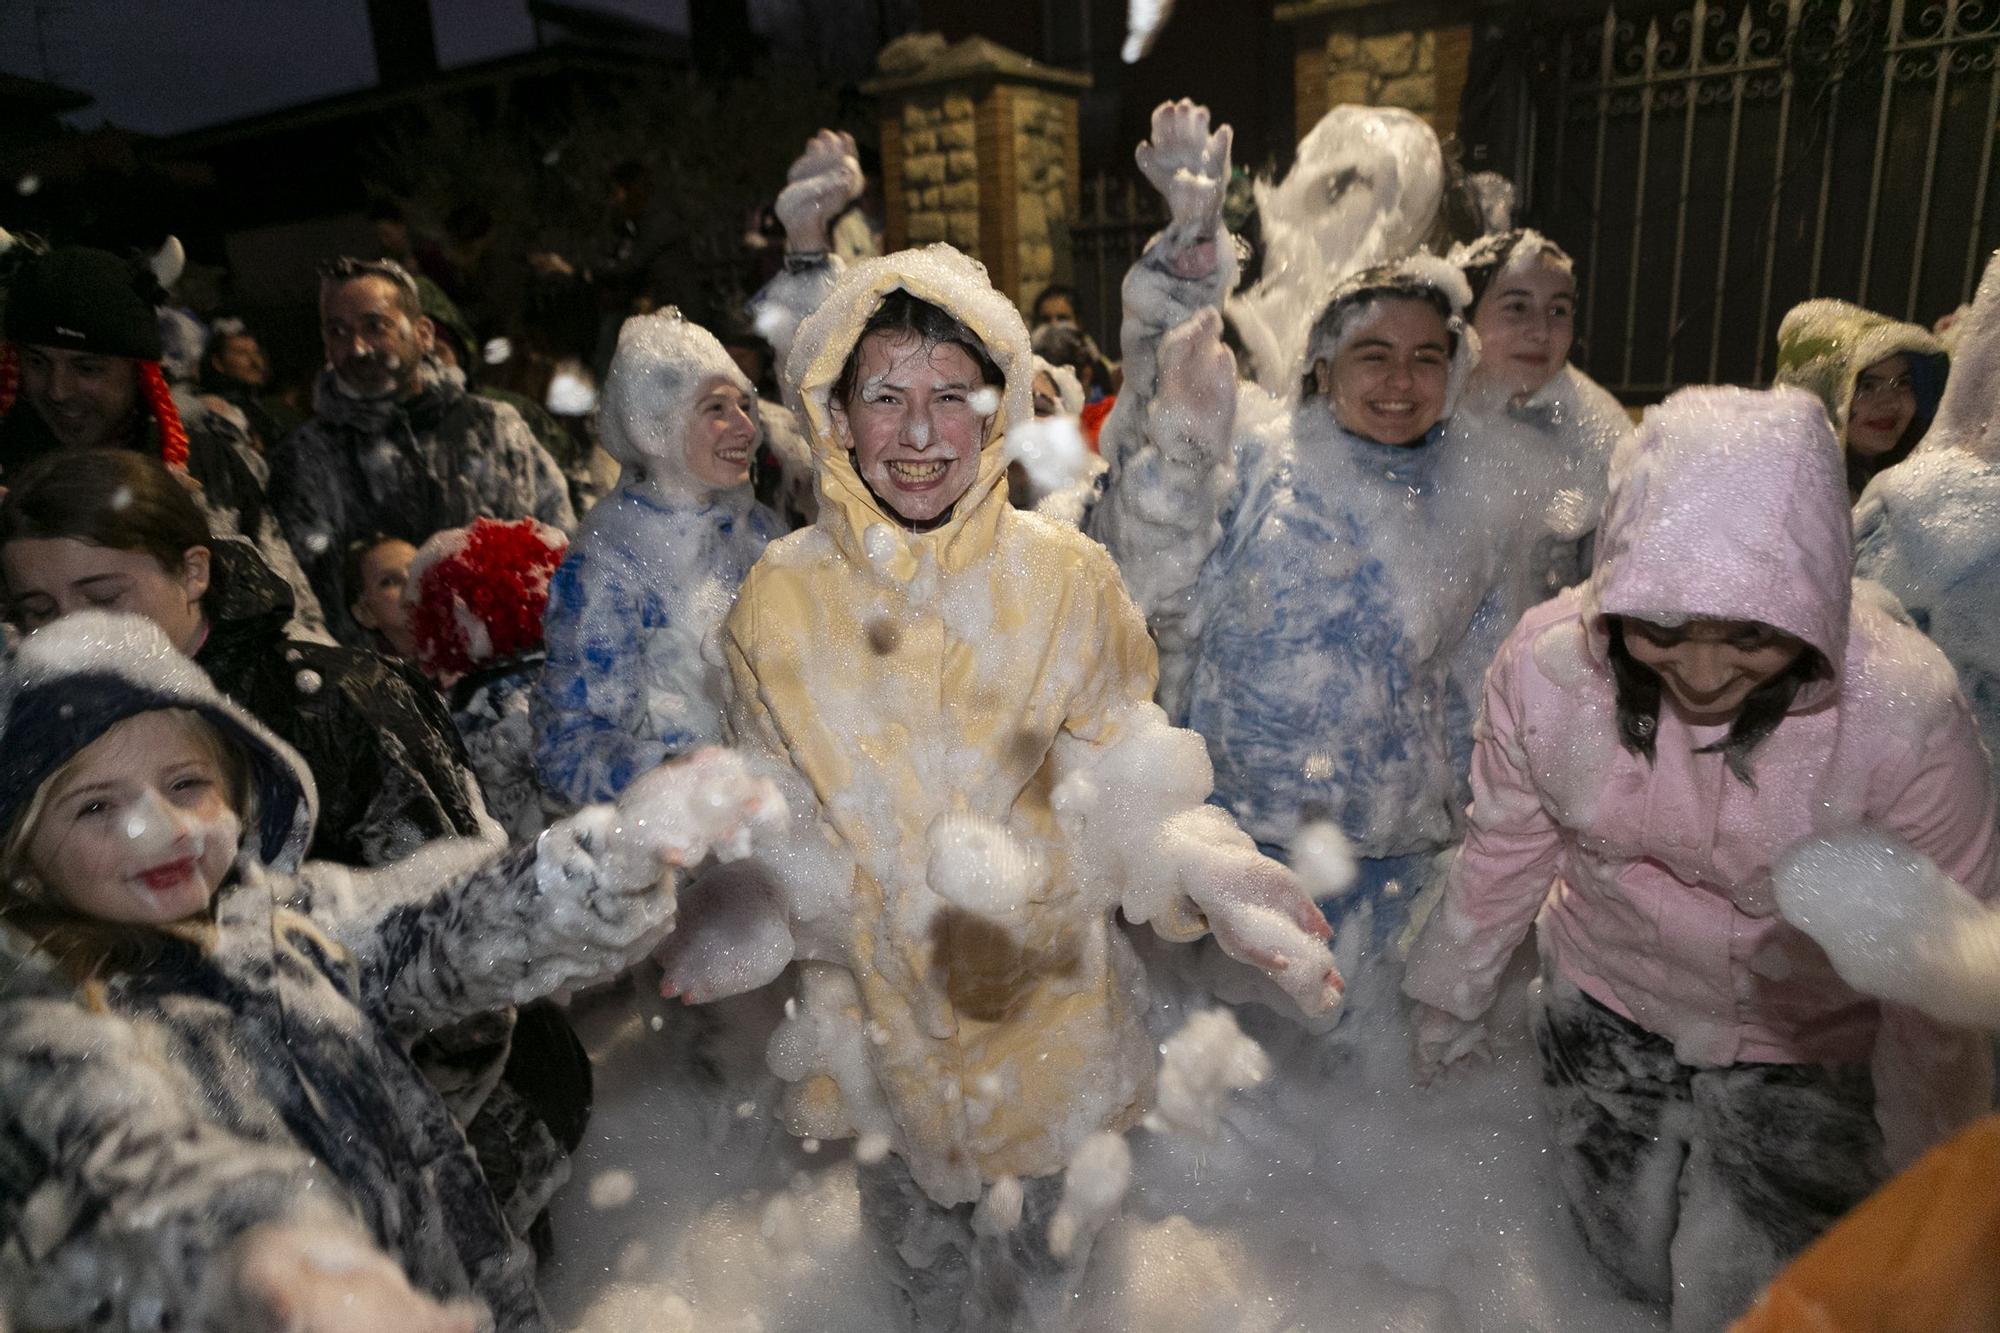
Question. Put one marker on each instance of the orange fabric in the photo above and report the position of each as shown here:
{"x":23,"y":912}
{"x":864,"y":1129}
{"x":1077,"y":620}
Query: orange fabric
{"x":1920,"y":1255}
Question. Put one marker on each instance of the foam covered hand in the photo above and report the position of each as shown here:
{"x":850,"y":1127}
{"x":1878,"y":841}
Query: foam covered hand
{"x":732,"y":936}
{"x":1189,"y":166}
{"x":1257,"y":911}
{"x":822,"y":181}
{"x":292,"y":1279}
{"x":1440,"y":1040}
{"x":1194,"y":411}
{"x":677,"y":813}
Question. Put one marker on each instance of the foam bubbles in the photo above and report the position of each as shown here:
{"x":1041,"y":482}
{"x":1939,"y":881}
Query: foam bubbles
{"x":1093,"y":1187}
{"x":1199,"y":1066}
{"x":977,"y":865}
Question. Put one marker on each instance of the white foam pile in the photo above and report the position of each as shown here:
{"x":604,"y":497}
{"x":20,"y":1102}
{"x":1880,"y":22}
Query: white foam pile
{"x":1895,"y":925}
{"x":1334,"y":1196}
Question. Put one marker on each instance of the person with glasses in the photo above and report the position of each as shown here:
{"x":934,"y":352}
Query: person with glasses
{"x":395,"y":446}
{"x":1879,"y":378}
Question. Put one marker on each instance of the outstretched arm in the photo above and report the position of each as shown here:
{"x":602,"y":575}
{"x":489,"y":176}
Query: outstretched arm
{"x":459,"y":930}
{"x":135,"y":1208}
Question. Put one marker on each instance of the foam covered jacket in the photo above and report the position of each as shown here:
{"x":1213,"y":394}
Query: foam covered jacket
{"x":1307,"y":587}
{"x":1542,"y":466}
{"x":404,"y":467}
{"x":1928,"y":529}
{"x":1651,"y":882}
{"x":267,"y":1078}
{"x":648,"y":579}
{"x":390,"y":770}
{"x":911,"y":678}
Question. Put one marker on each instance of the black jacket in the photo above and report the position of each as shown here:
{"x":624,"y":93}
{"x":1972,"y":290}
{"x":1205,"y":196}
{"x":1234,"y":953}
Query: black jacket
{"x":391,"y":771}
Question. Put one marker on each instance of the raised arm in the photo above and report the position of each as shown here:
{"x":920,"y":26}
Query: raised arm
{"x":460,"y":929}
{"x":822,"y":182}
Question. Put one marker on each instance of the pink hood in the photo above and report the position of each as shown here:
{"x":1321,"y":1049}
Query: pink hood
{"x":1730,"y":504}
{"x":1649,"y":878}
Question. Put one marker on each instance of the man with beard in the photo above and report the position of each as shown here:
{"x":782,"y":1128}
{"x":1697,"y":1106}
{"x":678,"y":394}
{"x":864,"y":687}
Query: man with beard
{"x":395,"y":446}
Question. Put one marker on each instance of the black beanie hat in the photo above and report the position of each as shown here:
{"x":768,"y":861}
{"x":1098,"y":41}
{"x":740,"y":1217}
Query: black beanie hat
{"x":86,"y":300}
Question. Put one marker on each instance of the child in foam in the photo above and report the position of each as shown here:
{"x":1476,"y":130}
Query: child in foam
{"x":654,"y":567}
{"x":1308,"y":563}
{"x":959,"y":692}
{"x":1879,"y":378}
{"x":203,"y":1068}
{"x":1533,"y":435}
{"x":1652,"y":743}
{"x":477,"y":597}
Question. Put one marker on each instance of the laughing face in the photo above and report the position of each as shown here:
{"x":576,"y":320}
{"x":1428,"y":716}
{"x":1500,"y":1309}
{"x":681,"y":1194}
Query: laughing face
{"x":912,"y":425}
{"x":1387,"y":382}
{"x":720,"y":437}
{"x":140,"y":826}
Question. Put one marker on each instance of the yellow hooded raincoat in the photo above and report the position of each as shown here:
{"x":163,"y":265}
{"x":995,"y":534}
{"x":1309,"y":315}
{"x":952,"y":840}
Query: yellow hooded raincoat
{"x":918,"y":681}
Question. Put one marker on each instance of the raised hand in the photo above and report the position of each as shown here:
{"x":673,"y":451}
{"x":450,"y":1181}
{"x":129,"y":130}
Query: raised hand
{"x":824,"y":179}
{"x":292,"y":1279}
{"x":1188,"y":165}
{"x":1195,"y":403}
{"x":1261,"y":916}
{"x":731,"y":937}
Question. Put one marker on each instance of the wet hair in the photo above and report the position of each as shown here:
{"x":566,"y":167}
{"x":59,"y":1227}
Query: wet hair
{"x":1637,"y":688}
{"x":86,"y":950}
{"x":339,"y":272}
{"x":911,"y":316}
{"x":1371,"y":287}
{"x":114,"y":498}
{"x":1490,"y":256}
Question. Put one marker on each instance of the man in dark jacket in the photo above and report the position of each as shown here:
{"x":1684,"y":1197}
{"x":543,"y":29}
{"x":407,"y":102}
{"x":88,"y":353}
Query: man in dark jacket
{"x":83,"y":338}
{"x":394,"y":445}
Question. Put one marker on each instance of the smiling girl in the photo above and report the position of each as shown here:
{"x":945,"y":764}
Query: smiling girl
{"x":212,"y":1118}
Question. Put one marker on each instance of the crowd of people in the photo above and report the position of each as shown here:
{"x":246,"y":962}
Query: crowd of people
{"x":336,"y":753}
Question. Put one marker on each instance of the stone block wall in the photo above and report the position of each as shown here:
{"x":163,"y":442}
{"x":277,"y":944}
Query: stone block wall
{"x":1353,"y":51}
{"x":940,"y":171}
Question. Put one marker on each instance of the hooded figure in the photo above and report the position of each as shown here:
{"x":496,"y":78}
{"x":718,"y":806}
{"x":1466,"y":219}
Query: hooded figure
{"x":963,"y":701}
{"x":81,"y":369}
{"x":1928,"y":531}
{"x":1837,"y":350}
{"x":655,"y":566}
{"x":1703,"y":1058}
{"x":171,"y":1090}
{"x":1533,"y":437}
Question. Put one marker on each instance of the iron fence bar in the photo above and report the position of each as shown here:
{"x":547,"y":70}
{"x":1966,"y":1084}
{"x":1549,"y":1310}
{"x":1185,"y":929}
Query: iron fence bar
{"x":1881,"y":142}
{"x":1832,"y":125}
{"x":1699,"y":22}
{"x":1930,"y":164}
{"x":1777,"y":192}
{"x":1979,"y":190}
{"x":1597,"y":173}
{"x":1738,"y":88}
{"x":1652,"y":53}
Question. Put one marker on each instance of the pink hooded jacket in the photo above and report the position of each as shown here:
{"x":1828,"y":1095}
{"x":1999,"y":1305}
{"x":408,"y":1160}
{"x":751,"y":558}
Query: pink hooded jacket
{"x":1651,"y":882}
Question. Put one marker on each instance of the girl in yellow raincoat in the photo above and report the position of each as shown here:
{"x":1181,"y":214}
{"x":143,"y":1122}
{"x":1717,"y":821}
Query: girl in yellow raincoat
{"x":961,"y":692}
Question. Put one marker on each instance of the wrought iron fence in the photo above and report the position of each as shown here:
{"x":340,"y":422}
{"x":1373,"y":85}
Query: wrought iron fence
{"x":1710,"y":166}
{"x":1116,"y":216}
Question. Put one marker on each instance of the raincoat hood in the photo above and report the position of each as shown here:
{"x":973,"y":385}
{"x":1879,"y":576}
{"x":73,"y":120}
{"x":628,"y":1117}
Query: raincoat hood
{"x":1824,"y":345}
{"x":848,"y":511}
{"x":1422,"y":275}
{"x":71,"y":681}
{"x":1729,"y":504}
{"x":655,"y":379}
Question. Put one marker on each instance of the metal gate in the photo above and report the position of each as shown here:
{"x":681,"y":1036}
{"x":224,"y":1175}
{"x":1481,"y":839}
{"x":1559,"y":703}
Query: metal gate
{"x":1710,"y":166}
{"x":1116,"y":216}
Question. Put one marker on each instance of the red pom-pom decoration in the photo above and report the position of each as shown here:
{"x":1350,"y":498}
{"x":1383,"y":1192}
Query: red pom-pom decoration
{"x":477,"y":595}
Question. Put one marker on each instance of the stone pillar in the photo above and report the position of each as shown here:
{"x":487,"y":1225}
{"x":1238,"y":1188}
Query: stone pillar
{"x":1378,"y":53}
{"x":979,"y":148}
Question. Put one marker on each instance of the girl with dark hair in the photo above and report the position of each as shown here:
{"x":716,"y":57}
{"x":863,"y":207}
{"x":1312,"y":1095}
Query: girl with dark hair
{"x":1653,"y":741}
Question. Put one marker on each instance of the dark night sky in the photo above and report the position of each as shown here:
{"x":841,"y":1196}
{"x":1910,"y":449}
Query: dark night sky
{"x":161,"y":66}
